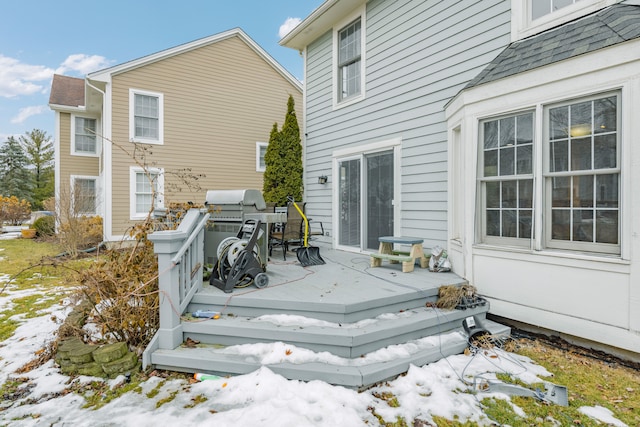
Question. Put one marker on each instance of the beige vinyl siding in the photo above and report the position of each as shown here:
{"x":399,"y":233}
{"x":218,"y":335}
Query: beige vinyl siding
{"x":73,"y":165}
{"x":219,"y":100}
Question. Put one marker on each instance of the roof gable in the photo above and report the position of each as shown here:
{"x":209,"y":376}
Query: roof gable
{"x":106,"y":74}
{"x":67,"y":91}
{"x":607,"y":27}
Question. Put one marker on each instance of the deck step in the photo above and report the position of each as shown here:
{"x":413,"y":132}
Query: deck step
{"x":348,"y":340}
{"x":357,"y":373}
{"x":323,"y":305}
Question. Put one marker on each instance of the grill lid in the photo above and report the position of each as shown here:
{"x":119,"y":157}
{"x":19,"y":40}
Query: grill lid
{"x":222,"y":198}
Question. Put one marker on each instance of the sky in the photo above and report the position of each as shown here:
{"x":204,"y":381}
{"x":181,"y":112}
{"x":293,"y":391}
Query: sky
{"x":41,"y":37}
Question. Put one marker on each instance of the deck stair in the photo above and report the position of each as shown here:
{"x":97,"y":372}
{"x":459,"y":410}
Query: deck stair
{"x":307,"y":318}
{"x":343,"y":322}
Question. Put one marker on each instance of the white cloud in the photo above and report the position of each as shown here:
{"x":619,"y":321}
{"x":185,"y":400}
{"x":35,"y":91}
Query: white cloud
{"x":288,"y":25}
{"x":83,"y":64}
{"x":17,"y":78}
{"x":27,"y":112}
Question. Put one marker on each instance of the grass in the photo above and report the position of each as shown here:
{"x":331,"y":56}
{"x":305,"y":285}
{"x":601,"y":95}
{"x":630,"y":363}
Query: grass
{"x":30,"y":264}
{"x":589,"y":381}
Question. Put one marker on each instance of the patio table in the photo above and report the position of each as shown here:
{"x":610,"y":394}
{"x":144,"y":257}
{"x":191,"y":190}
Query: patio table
{"x":386,"y":251}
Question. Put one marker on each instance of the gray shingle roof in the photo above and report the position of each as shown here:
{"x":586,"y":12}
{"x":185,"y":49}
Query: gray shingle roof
{"x":607,"y":27}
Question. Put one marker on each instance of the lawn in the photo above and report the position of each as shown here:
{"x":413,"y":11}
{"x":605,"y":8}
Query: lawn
{"x":35,"y":282}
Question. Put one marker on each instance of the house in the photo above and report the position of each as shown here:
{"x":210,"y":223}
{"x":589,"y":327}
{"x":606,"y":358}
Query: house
{"x":543,"y":154}
{"x":196,"y":113}
{"x":405,"y":106}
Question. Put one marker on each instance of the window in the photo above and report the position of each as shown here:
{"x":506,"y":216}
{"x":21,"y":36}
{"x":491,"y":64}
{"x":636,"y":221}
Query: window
{"x":261,"y":150}
{"x":145,"y":190}
{"x":507,"y":179}
{"x":579,"y":191}
{"x":145,"y":117}
{"x":84,"y":191}
{"x":84,"y":136}
{"x":530,"y":17}
{"x":540,"y":8}
{"x":583,"y":175}
{"x":348,"y":60}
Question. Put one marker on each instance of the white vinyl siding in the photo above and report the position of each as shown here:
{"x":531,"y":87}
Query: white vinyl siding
{"x":146,"y":188}
{"x":146,"y":117}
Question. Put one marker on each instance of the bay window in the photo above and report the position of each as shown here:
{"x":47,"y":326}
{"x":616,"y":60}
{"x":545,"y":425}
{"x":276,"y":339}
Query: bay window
{"x":579,"y":196}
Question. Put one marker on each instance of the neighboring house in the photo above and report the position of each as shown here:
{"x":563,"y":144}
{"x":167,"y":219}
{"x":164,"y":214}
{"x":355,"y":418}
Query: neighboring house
{"x":398,"y":95}
{"x":202,"y":108}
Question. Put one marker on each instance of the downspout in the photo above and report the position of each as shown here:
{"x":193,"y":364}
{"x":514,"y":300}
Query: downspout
{"x":103,"y":175}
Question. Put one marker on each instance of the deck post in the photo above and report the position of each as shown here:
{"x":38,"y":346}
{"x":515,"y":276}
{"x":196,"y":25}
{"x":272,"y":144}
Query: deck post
{"x":166,"y":244}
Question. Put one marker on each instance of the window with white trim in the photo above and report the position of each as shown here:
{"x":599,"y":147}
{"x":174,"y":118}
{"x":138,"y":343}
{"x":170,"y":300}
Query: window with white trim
{"x":506,"y":178}
{"x":147,"y":189}
{"x":349,"y":52}
{"x":582,"y":179}
{"x":146,"y":116}
{"x":579,"y":194}
{"x":261,"y":150}
{"x":84,"y":141}
{"x":531,"y":17}
{"x":540,"y":8}
{"x":84,"y":195}
{"x":349,"y":59}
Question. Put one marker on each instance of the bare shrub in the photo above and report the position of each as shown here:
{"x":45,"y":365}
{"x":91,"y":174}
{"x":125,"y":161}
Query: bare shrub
{"x":14,"y":210}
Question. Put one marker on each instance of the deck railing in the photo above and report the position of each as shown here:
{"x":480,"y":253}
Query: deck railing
{"x":180,"y":267}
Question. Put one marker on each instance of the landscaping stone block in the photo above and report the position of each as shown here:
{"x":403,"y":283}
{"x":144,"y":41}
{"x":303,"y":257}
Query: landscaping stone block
{"x":92,"y":369}
{"x":110,"y":352}
{"x":82,"y":354}
{"x":121,"y":365}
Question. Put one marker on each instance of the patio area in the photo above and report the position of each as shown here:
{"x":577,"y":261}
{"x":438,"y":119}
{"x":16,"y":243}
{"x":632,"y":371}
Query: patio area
{"x":344,"y":315}
{"x":345,"y":289}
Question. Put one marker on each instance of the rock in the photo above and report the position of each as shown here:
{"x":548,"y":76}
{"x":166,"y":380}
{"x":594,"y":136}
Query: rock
{"x":121,"y":365}
{"x":82,"y":354}
{"x":110,"y":352}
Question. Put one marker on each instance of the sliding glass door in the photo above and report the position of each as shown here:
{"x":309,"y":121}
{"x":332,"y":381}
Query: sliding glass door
{"x":365,"y":199}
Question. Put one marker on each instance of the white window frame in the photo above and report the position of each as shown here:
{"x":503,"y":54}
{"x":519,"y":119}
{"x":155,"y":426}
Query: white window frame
{"x":132,"y":120}
{"x":360,"y":14}
{"x":260,"y":164}
{"x":541,"y":192}
{"x":484,"y":180}
{"x":133,"y":173}
{"x":97,"y":147}
{"x":522,"y":24}
{"x":96,"y":181}
{"x":607,"y":248}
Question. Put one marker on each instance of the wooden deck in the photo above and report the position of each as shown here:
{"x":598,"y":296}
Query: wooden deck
{"x":346,"y":308}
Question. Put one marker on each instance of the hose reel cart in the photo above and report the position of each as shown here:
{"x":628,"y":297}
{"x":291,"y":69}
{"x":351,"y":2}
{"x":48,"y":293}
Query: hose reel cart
{"x":238,"y":260}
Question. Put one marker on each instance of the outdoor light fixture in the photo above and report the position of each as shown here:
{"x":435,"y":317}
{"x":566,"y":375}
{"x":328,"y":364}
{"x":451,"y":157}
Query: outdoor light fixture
{"x":322,"y":179}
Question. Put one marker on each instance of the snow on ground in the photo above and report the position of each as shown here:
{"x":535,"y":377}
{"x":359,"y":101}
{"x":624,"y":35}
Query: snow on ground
{"x":261,"y":398}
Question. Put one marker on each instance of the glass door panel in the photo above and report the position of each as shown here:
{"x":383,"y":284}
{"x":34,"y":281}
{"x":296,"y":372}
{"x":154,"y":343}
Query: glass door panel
{"x":379,"y":197}
{"x":349,"y":202}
